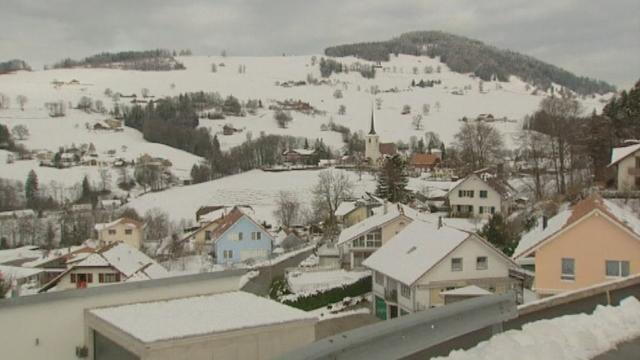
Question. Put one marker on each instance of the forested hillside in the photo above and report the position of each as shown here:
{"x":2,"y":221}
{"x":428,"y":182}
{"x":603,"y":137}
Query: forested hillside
{"x":13,"y":65}
{"x":149,"y":60}
{"x":466,"y":55}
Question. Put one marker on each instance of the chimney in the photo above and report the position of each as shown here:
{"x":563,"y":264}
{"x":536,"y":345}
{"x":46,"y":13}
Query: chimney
{"x":439,"y":222}
{"x":545,"y":221}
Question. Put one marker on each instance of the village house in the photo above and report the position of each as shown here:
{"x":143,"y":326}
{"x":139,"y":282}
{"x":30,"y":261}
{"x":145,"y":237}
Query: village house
{"x":113,"y":263}
{"x":300,"y":156}
{"x":232,"y":238}
{"x":626,"y":160}
{"x":375,"y":152}
{"x":287,"y":239}
{"x":480,"y":195}
{"x":424,"y":162}
{"x":591,"y":242}
{"x":359,"y":241}
{"x":425,"y":260}
{"x":352,"y":212}
{"x":124,"y":230}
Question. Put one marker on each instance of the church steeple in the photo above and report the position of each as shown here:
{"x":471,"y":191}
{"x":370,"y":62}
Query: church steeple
{"x":373,"y":130}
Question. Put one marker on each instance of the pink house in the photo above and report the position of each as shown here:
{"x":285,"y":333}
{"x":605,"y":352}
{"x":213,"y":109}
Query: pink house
{"x":593,"y":241}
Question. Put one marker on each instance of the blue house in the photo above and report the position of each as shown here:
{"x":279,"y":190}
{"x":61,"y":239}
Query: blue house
{"x":237,"y":238}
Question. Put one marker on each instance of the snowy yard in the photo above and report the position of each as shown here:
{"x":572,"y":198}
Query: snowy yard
{"x":312,"y":281}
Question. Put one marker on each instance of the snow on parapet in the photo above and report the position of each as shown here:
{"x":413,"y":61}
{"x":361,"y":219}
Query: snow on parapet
{"x":200,"y":315}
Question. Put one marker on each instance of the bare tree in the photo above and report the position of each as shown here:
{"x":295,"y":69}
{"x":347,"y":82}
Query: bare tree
{"x":534,"y":149}
{"x":56,"y":109}
{"x":337,"y":94}
{"x":417,"y":122}
{"x":157,"y":224}
{"x":22,"y":101}
{"x":105,"y":178}
{"x":282,"y":118}
{"x":85,"y":103}
{"x":20,"y":132}
{"x":479,"y":145}
{"x":406,"y":109}
{"x":332,"y":188}
{"x":288,"y":208}
{"x":144,"y":92}
{"x":425,"y":109}
{"x":5,"y":101}
{"x":342,"y":109}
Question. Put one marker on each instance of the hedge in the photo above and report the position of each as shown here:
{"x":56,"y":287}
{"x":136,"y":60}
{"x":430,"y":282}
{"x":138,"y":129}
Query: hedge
{"x":329,"y":296}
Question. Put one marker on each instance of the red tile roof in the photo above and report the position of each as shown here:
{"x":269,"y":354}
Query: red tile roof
{"x":420,"y":160}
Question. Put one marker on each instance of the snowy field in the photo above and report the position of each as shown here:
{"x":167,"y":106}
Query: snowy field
{"x":256,"y":188}
{"x":571,"y":337}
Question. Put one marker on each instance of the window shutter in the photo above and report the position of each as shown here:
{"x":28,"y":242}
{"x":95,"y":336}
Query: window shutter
{"x":101,"y":278}
{"x":90,"y":278}
{"x":73,"y":278}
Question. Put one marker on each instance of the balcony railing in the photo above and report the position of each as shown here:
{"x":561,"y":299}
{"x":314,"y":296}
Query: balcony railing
{"x":391,"y":295}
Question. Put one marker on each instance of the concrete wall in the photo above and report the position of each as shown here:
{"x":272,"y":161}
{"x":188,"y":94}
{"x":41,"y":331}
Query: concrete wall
{"x":590,"y":242}
{"x":245,"y":226}
{"x":476,"y":184}
{"x":627,"y":182}
{"x":51,"y":325}
{"x":259,"y":343}
{"x":134,"y":239}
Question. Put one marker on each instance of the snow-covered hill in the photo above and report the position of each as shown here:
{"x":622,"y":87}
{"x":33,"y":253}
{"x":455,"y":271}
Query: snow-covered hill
{"x":512,"y":100}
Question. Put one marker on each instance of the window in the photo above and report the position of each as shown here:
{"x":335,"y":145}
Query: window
{"x":483,"y":194}
{"x":482,"y":263}
{"x":456,"y":264}
{"x":227,"y":254}
{"x":405,"y":291}
{"x":73,"y":278}
{"x":374,"y":239}
{"x":112,"y":231}
{"x":614,"y":268}
{"x":465,"y":193}
{"x":108,"y":278}
{"x":480,"y":209}
{"x":568,"y":269}
{"x":256,"y":235}
{"x":379,"y":278}
{"x":239,"y":236}
{"x":358,"y":242}
{"x":236,"y":236}
{"x":128,"y":231}
{"x":493,"y":210}
{"x":207,"y":234}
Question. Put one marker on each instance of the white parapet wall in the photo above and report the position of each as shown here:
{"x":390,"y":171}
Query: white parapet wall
{"x":51,"y":325}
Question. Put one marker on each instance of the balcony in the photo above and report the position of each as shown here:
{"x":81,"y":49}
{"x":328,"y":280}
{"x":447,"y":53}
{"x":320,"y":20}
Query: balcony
{"x":391,"y":295}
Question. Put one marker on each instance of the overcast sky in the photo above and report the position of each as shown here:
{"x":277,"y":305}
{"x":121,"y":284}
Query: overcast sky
{"x":594,"y":38}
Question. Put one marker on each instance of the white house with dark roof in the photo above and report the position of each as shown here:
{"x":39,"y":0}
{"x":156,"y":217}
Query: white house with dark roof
{"x":415,"y":268}
{"x":480,"y":195}
{"x":627,"y":162}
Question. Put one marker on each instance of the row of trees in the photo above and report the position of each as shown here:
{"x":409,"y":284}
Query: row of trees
{"x":149,"y":60}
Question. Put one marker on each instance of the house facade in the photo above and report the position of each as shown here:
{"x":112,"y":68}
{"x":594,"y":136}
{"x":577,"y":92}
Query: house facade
{"x":113,"y":263}
{"x":479,"y":195}
{"x":124,"y":230}
{"x":415,"y":270}
{"x":626,"y":160}
{"x":594,"y":241}
{"x":300,"y":156}
{"x":234,"y":237}
{"x":357,"y":242}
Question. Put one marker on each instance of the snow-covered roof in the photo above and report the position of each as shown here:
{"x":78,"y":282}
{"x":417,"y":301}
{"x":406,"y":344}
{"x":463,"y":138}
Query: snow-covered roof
{"x":17,"y":272}
{"x":393,"y":211}
{"x":622,"y":215}
{"x":346,"y":207}
{"x":619,"y":153}
{"x":471,"y":290}
{"x":199,"y":315}
{"x":21,"y":253}
{"x":128,"y":222}
{"x":415,"y":250}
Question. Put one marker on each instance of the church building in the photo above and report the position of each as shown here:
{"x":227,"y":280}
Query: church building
{"x":375,"y":151}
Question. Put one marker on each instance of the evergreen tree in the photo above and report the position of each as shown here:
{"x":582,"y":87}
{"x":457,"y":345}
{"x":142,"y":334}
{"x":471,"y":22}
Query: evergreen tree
{"x":498,"y":233}
{"x":392,"y":180}
{"x":86,"y":188}
{"x":306,"y":143}
{"x":50,"y":236}
{"x":442,"y":150}
{"x":31,"y":189}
